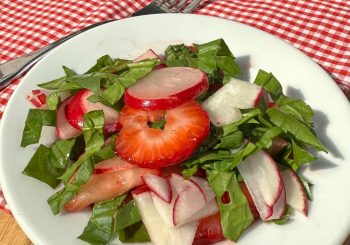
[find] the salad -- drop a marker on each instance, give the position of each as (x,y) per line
(172,150)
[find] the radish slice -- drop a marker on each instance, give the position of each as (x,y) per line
(160,233)
(63,128)
(165,209)
(209,209)
(166,88)
(204,185)
(263,180)
(79,104)
(279,207)
(149,54)
(223,106)
(37,97)
(296,196)
(112,165)
(159,186)
(191,198)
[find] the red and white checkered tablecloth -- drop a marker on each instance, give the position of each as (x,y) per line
(319,28)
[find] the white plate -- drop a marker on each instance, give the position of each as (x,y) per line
(329,218)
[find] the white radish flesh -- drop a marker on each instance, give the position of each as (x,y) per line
(166,88)
(279,207)
(63,128)
(110,115)
(263,180)
(159,232)
(204,185)
(79,104)
(159,186)
(165,209)
(223,106)
(209,209)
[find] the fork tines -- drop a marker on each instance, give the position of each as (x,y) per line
(178,6)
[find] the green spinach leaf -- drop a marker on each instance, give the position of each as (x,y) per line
(235,215)
(36,119)
(99,229)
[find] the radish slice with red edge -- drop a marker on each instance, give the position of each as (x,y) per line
(223,106)
(37,97)
(79,104)
(190,199)
(263,180)
(166,88)
(64,129)
(296,196)
(159,186)
(279,207)
(158,231)
(204,185)
(165,209)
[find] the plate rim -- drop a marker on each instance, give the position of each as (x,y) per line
(5,189)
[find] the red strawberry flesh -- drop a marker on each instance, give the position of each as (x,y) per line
(185,128)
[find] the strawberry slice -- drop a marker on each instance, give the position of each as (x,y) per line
(186,126)
(209,230)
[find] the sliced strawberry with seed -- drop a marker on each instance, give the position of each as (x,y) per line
(186,126)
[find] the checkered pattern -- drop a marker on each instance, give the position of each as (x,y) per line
(320,29)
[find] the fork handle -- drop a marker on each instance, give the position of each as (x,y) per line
(16,67)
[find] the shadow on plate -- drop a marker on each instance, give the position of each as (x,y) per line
(321,123)
(244,64)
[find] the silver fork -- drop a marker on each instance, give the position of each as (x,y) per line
(16,67)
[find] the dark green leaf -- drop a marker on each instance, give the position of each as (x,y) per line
(296,128)
(235,215)
(295,107)
(104,153)
(265,140)
(126,216)
(136,71)
(54,84)
(53,100)
(93,131)
(188,172)
(36,119)
(83,168)
(57,200)
(39,169)
(69,72)
(134,233)
(101,62)
(300,156)
(113,93)
(285,217)
(270,83)
(88,81)
(178,55)
(307,187)
(231,141)
(99,229)
(234,160)
(246,117)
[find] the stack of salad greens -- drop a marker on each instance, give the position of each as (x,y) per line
(108,79)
